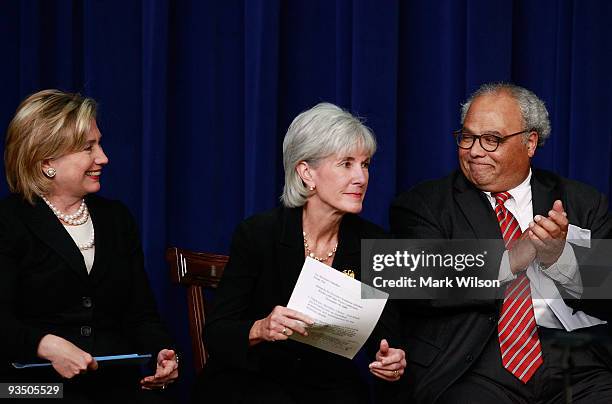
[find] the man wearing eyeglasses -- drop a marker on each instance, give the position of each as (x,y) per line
(512,350)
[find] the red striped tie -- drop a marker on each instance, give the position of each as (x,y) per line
(518,334)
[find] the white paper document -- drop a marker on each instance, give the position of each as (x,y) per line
(343,319)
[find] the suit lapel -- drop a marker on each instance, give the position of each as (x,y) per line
(103,235)
(41,221)
(476,209)
(349,247)
(290,250)
(543,194)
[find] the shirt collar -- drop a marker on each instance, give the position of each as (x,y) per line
(521,193)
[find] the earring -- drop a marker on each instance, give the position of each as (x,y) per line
(312,188)
(50,172)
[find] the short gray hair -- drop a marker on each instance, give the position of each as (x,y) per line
(533,110)
(315,134)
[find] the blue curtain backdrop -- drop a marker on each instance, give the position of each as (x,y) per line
(195,96)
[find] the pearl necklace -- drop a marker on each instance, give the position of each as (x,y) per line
(90,242)
(77,218)
(312,255)
(80,217)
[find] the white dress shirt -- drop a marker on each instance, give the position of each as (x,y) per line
(549,308)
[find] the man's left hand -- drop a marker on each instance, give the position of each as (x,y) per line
(166,372)
(548,234)
(390,362)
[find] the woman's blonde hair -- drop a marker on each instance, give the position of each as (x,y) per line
(47,125)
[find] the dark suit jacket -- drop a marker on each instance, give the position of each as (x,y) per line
(266,257)
(45,288)
(442,342)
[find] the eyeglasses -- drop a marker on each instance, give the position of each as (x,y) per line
(488,141)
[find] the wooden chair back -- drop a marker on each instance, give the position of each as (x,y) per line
(196,271)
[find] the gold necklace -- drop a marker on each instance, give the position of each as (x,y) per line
(312,255)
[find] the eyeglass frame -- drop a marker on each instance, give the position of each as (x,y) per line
(500,139)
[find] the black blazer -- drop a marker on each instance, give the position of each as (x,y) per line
(266,257)
(45,287)
(441,342)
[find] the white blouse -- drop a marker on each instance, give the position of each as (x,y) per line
(81,234)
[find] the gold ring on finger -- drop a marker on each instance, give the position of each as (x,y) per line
(395,373)
(284,332)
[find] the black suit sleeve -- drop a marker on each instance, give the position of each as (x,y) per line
(227,331)
(601,227)
(18,340)
(594,264)
(141,320)
(388,327)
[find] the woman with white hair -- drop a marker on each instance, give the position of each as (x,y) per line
(326,154)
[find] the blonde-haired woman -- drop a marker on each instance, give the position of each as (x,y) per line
(72,282)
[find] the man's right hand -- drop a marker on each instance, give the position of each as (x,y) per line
(522,253)
(66,358)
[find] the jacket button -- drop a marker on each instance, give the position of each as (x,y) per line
(87,302)
(86,331)
(469,358)
(492,319)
